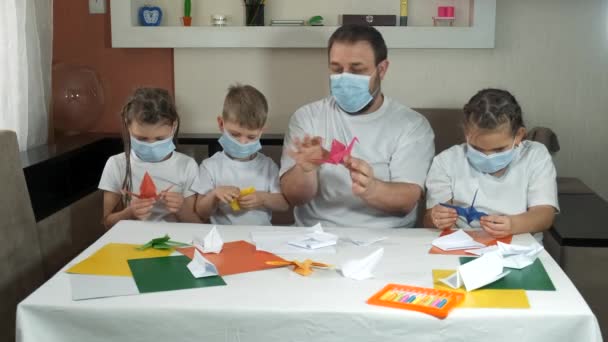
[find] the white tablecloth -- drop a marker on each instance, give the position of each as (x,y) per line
(280,305)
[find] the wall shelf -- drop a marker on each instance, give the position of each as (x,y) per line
(125,34)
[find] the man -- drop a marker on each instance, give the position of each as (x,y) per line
(381,183)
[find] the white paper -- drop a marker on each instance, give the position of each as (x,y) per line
(315,240)
(482,271)
(201,267)
(278,241)
(365,241)
(85,286)
(361,269)
(213,242)
(517,256)
(456,240)
(482,251)
(454,281)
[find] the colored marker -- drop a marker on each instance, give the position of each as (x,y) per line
(436,301)
(386,295)
(420,299)
(401,296)
(442,303)
(405,298)
(411,299)
(392,297)
(429,300)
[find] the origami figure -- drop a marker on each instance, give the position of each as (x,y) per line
(303,268)
(162,243)
(147,189)
(470,214)
(339,151)
(235,202)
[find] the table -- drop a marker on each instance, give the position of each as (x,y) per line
(279,305)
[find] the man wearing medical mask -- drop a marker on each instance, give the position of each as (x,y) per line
(381,182)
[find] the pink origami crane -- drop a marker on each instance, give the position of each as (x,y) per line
(339,151)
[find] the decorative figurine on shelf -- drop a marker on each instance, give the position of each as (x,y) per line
(150,15)
(444,14)
(187,19)
(403,13)
(317,20)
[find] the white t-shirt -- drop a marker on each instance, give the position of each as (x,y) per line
(528,181)
(396,141)
(220,170)
(179,171)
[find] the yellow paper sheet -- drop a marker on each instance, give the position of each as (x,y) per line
(112,258)
(502,299)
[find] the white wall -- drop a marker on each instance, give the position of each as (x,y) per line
(552,54)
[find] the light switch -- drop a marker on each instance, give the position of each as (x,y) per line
(97,6)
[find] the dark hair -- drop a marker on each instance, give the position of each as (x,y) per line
(360,33)
(146,106)
(491,108)
(246,106)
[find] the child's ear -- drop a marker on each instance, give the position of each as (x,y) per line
(520,135)
(220,123)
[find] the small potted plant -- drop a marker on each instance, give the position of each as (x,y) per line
(187,13)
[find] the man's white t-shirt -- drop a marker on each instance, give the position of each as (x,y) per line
(530,180)
(220,170)
(396,141)
(179,171)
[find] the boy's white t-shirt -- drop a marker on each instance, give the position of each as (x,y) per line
(530,180)
(179,171)
(396,141)
(261,172)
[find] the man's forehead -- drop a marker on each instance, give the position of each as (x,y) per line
(351,52)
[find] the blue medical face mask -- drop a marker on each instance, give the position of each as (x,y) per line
(351,91)
(236,149)
(490,163)
(152,152)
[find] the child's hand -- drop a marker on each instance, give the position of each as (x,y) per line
(141,208)
(308,153)
(497,226)
(253,201)
(444,217)
(173,201)
(227,194)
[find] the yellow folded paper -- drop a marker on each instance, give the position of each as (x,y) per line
(303,268)
(111,259)
(244,192)
(502,299)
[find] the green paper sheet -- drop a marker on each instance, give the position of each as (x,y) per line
(167,274)
(533,278)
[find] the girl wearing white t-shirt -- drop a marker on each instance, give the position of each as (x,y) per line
(150,125)
(511,180)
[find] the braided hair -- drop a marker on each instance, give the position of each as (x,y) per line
(491,108)
(146,106)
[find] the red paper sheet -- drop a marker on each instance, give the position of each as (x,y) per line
(237,257)
(478,235)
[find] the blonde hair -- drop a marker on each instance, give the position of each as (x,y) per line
(246,106)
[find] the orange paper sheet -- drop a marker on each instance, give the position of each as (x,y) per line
(478,235)
(237,257)
(501,299)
